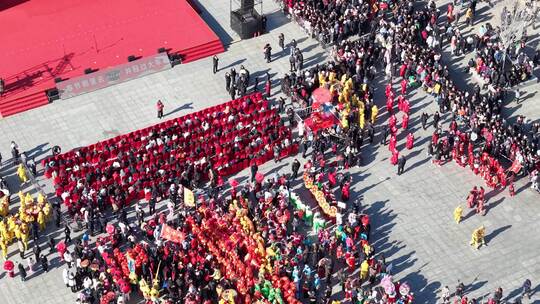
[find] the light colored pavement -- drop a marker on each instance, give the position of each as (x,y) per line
(412,213)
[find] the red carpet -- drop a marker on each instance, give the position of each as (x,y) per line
(46,39)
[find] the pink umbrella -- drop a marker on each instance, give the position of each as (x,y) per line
(61,246)
(110,229)
(320,96)
(8,265)
(234,183)
(259,177)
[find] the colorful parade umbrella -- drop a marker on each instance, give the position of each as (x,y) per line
(259,177)
(320,96)
(110,229)
(8,265)
(234,183)
(61,246)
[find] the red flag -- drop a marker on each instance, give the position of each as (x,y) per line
(173,235)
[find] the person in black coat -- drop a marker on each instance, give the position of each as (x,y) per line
(385,132)
(57,217)
(52,244)
(254,170)
(268,53)
(228,79)
(22,272)
(215,61)
(436,118)
(44,263)
(295,168)
(67,234)
(424,119)
(401,164)
(37,251)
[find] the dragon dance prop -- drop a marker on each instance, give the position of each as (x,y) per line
(328,210)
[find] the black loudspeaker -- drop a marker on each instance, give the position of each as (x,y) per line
(52,94)
(58,79)
(132,58)
(247,5)
(162,50)
(245,23)
(88,71)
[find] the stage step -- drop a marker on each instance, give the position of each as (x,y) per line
(11,107)
(202,51)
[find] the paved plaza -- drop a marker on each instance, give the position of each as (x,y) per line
(411,213)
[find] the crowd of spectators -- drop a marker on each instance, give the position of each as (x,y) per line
(189,150)
(401,44)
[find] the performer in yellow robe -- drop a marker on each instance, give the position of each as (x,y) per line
(22,174)
(364,270)
(4,247)
(477,237)
(41,220)
(458,213)
(374,113)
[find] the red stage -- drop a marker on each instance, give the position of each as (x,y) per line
(46,39)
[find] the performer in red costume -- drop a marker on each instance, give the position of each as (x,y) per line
(410,141)
(393,142)
(395,157)
(392,123)
(405,122)
(404,87)
(389,104)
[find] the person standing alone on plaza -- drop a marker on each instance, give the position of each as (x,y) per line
(15,152)
(215,61)
(22,272)
(526,289)
(281,42)
(424,119)
(228,81)
(268,86)
(299,57)
(268,53)
(401,165)
(159,107)
(295,168)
